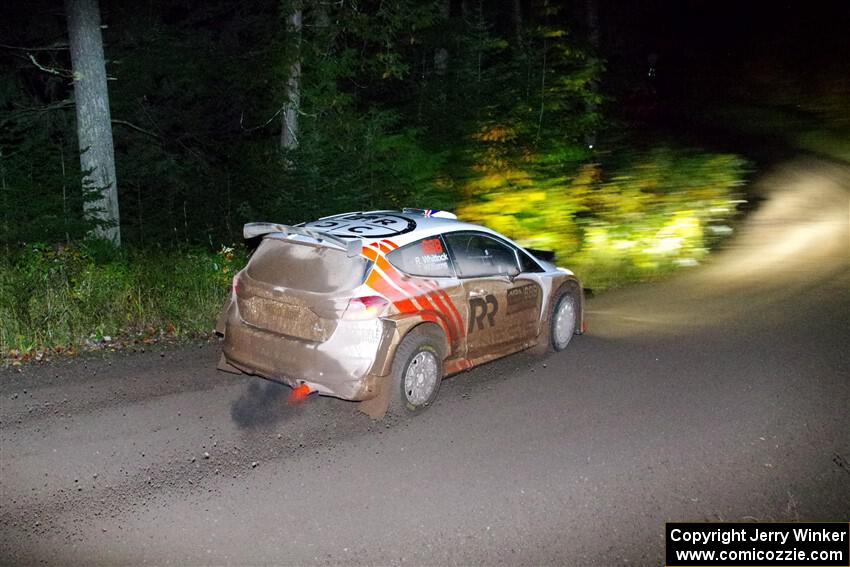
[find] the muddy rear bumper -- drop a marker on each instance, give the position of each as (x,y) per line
(340,367)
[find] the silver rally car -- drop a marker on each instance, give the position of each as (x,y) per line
(381,306)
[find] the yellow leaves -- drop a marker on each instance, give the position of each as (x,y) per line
(588,174)
(494,179)
(511,202)
(444,182)
(639,221)
(491,182)
(682,232)
(496,133)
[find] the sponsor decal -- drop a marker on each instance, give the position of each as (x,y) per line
(376,225)
(523,297)
(411,295)
(433,259)
(425,259)
(481,309)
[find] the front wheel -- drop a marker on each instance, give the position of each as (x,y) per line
(564,320)
(417,372)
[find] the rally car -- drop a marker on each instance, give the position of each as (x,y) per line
(380,306)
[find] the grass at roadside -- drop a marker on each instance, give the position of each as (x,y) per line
(57,299)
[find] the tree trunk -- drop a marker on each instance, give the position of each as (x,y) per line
(592,15)
(94,127)
(518,22)
(441,54)
(289,126)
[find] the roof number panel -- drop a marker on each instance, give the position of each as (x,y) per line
(375,225)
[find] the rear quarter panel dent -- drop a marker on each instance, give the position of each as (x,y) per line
(395,330)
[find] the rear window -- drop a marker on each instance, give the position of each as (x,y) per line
(426,257)
(306,267)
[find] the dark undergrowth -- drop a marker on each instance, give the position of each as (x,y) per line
(62,299)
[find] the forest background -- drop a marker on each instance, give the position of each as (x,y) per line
(523,115)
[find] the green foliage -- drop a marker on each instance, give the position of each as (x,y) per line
(377,163)
(526,148)
(39,173)
(632,218)
(402,104)
(66,296)
(198,89)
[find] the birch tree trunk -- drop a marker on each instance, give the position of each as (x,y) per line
(94,126)
(289,126)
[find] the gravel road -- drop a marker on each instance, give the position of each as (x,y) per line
(721,394)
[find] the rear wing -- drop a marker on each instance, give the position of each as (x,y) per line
(545,255)
(254,229)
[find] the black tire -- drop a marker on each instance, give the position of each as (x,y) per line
(563,320)
(417,371)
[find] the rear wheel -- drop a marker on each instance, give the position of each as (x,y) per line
(417,372)
(563,321)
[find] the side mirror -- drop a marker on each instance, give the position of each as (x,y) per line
(512,274)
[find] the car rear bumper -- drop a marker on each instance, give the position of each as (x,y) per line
(337,367)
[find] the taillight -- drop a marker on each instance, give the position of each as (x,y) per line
(234,286)
(368,307)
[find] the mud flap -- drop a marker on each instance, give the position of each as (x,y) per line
(225,366)
(541,347)
(377,407)
(221,320)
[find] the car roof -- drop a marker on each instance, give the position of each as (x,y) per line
(401,227)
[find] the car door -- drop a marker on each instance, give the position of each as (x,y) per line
(502,306)
(432,288)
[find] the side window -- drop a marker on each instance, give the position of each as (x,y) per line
(478,255)
(527,265)
(424,257)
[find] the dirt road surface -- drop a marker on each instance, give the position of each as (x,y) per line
(721,394)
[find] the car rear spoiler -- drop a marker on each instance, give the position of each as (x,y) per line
(545,255)
(351,247)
